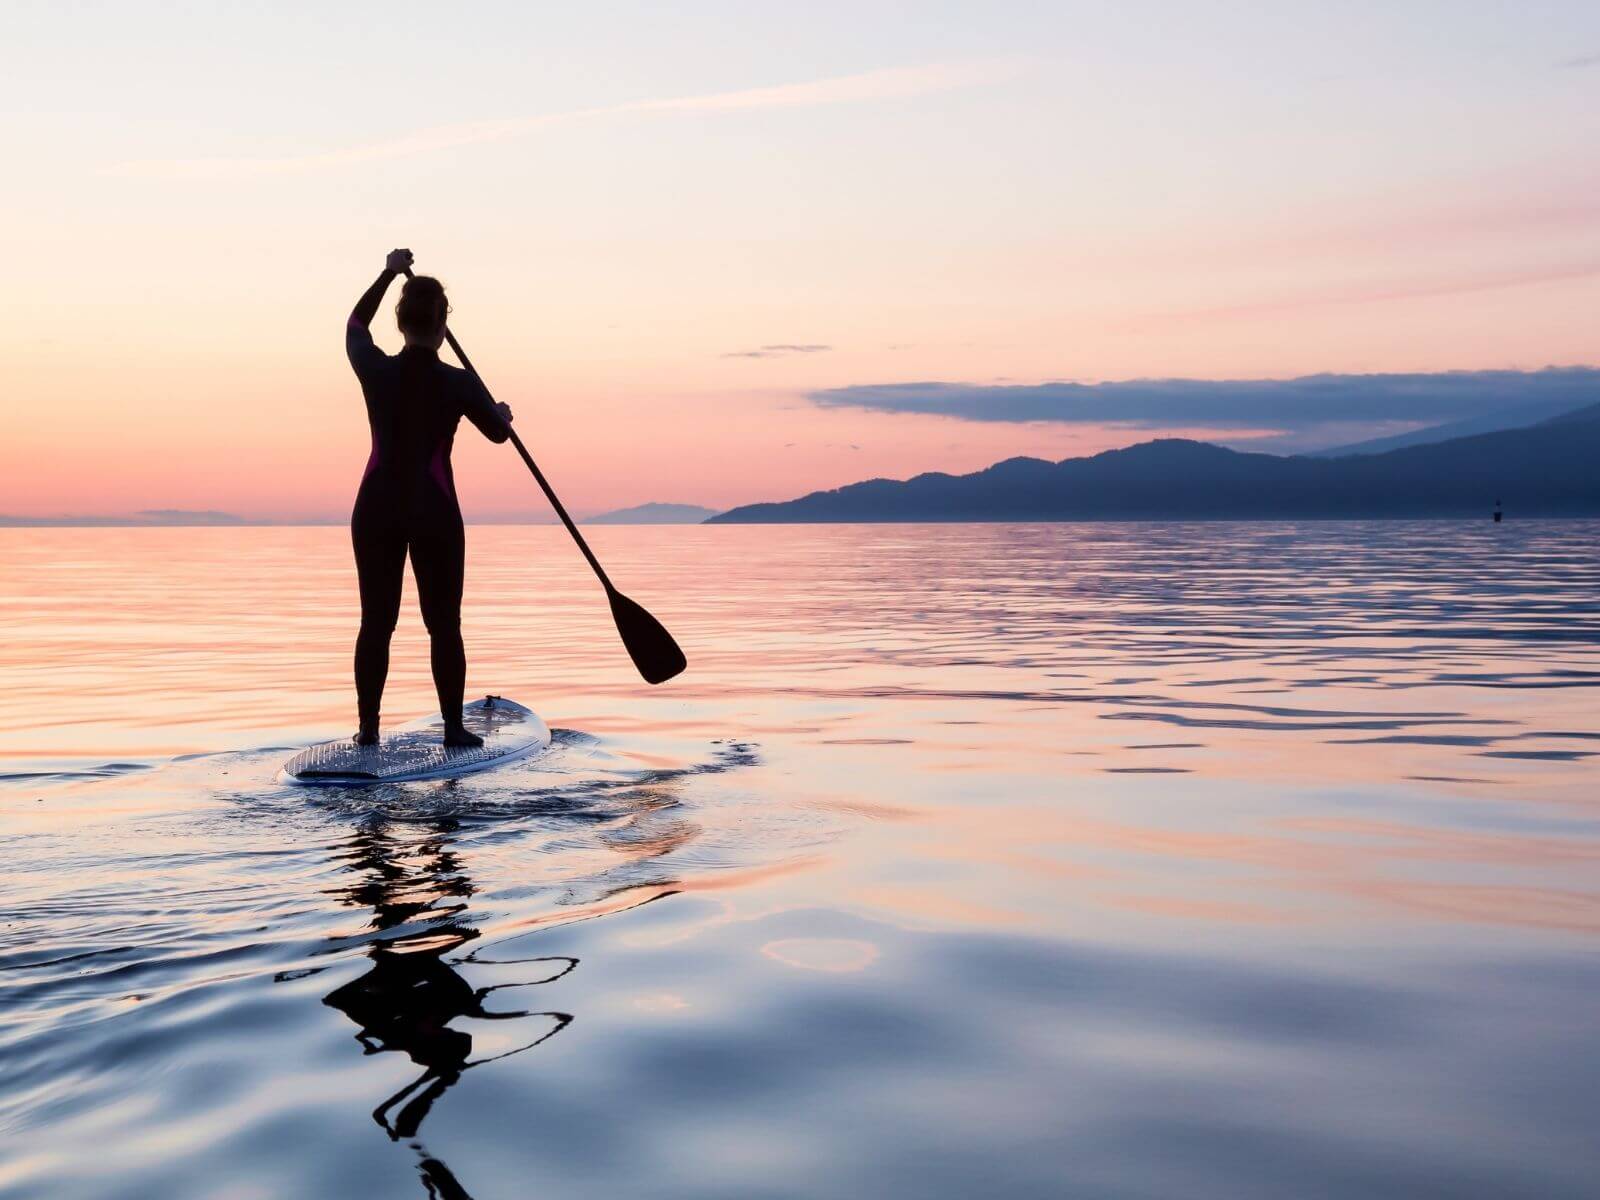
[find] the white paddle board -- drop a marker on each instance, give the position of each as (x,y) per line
(509,732)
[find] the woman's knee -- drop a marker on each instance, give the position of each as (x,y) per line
(378,623)
(445,624)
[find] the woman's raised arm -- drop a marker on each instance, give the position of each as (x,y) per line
(358,329)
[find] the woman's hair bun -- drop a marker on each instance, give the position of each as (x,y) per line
(423,307)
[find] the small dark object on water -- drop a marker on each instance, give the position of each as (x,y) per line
(1498,512)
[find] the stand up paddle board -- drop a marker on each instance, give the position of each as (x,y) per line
(509,731)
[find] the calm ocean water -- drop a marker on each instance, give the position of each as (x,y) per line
(1097,861)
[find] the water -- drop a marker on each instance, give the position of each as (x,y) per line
(1104,861)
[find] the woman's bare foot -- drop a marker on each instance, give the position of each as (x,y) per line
(460,735)
(367,735)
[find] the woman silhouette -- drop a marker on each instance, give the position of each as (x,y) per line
(407,500)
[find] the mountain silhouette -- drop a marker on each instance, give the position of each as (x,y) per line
(1517,417)
(1548,469)
(654,513)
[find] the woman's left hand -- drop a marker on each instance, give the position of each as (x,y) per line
(399,261)
(504,410)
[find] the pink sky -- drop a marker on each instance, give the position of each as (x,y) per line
(1057,203)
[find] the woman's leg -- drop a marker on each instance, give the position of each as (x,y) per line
(380,568)
(438,560)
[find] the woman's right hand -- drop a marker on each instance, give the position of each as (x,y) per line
(399,262)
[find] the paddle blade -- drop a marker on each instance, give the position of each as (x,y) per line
(649,644)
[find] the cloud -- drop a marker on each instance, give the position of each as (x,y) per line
(886,84)
(1280,405)
(1583,60)
(777,349)
(1382,293)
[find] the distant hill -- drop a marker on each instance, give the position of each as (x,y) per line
(1549,469)
(149,516)
(1512,418)
(655,514)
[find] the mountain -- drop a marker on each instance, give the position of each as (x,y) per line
(1512,418)
(149,516)
(187,516)
(655,514)
(1549,469)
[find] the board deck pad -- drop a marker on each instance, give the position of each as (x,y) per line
(508,729)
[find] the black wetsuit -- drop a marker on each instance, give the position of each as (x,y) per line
(407,501)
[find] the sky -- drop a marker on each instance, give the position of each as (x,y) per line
(721,253)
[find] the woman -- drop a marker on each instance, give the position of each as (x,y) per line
(407,499)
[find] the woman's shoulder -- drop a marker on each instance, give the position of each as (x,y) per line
(460,381)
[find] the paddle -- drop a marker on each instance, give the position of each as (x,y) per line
(648,643)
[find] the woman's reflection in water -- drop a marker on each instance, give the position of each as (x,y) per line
(405,1002)
(413,881)
(410,995)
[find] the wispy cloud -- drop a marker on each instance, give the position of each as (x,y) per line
(778,349)
(887,84)
(1379,293)
(1583,60)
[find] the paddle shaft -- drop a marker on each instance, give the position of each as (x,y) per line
(538,475)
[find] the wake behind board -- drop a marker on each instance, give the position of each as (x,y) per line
(509,731)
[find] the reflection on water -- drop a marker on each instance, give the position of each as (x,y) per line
(1122,861)
(406,1002)
(416,999)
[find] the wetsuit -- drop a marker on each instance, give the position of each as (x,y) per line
(407,501)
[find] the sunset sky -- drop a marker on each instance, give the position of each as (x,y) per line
(694,244)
